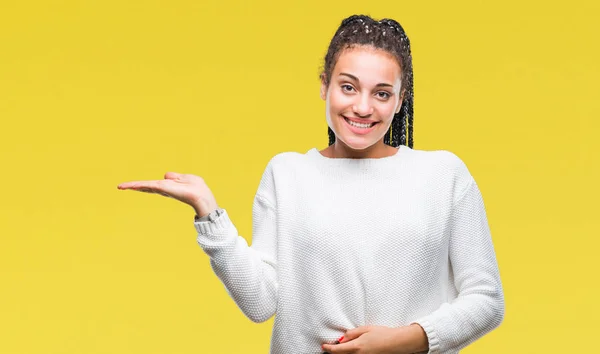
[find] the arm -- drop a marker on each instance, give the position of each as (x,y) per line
(479,306)
(249,273)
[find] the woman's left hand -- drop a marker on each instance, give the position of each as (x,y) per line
(370,340)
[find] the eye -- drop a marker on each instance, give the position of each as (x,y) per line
(347,88)
(386,95)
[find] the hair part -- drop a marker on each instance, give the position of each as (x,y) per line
(387,35)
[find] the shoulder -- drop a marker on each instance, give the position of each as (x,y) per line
(284,164)
(445,167)
(286,158)
(443,160)
(280,171)
(285,161)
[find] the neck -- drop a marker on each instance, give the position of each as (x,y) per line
(341,150)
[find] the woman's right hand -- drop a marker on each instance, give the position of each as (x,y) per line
(186,188)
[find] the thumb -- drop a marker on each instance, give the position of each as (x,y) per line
(355,333)
(172,175)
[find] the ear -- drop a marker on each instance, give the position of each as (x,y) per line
(323,87)
(400,101)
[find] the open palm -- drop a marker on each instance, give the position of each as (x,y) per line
(187,188)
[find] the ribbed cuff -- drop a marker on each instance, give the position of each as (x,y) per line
(432,337)
(214,230)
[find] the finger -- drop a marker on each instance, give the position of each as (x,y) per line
(133,184)
(145,186)
(125,185)
(152,187)
(344,348)
(156,187)
(172,175)
(355,333)
(153,191)
(147,190)
(143,189)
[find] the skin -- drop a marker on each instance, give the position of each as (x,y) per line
(361,97)
(380,340)
(186,188)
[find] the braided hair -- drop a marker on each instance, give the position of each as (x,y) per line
(388,35)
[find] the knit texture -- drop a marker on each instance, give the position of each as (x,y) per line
(339,243)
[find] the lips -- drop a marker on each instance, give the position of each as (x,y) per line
(359,120)
(357,130)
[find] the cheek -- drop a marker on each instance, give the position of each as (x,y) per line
(338,101)
(387,110)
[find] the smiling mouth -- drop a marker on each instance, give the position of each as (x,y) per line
(359,125)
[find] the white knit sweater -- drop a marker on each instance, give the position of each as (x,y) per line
(338,243)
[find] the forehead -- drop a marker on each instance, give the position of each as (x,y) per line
(368,63)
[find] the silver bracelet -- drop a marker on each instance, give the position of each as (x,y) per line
(210,217)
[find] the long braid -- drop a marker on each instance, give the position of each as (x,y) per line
(388,35)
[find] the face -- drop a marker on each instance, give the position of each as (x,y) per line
(362,97)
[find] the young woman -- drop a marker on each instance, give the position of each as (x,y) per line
(368,246)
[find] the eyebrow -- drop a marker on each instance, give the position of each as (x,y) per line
(356,79)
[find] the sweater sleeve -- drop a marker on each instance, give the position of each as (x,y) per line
(479,306)
(249,273)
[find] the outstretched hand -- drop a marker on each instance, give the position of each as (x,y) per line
(187,188)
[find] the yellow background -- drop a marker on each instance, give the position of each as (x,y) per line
(95,93)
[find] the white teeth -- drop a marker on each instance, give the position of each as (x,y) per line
(359,125)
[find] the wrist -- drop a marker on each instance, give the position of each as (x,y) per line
(203,210)
(211,217)
(418,338)
(412,339)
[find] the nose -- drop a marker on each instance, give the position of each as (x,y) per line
(363,107)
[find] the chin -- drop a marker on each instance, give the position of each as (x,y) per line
(357,143)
